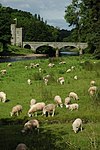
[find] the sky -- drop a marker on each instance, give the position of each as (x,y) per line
(52,11)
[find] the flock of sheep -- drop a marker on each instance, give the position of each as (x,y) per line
(47,109)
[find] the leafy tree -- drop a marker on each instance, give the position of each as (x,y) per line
(84,15)
(5,33)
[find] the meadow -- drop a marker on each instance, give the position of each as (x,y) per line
(55,132)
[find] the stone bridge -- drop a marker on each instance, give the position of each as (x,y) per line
(57,45)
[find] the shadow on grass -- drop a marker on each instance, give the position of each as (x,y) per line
(11,136)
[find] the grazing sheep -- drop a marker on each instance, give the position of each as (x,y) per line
(73,95)
(3,97)
(46,81)
(62,62)
(67,101)
(21,146)
(72,106)
(61,80)
(3,72)
(29,81)
(75,77)
(92,90)
(32,102)
(9,64)
(16,110)
(72,67)
(77,124)
(58,101)
(36,107)
(92,83)
(30,126)
(48,109)
(69,70)
(51,65)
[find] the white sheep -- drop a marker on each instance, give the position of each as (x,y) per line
(62,62)
(51,65)
(72,106)
(77,124)
(75,77)
(50,108)
(3,97)
(21,146)
(31,125)
(29,81)
(68,70)
(32,102)
(67,101)
(3,72)
(92,83)
(73,95)
(9,64)
(61,80)
(16,110)
(46,81)
(92,90)
(58,101)
(36,107)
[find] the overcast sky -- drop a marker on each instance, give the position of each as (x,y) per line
(52,11)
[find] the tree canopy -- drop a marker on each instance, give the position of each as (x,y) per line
(84,16)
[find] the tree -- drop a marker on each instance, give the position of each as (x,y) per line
(84,15)
(5,32)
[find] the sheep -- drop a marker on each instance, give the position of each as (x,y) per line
(51,65)
(3,72)
(75,77)
(48,109)
(68,70)
(58,101)
(46,81)
(3,97)
(29,81)
(36,107)
(92,90)
(16,110)
(61,80)
(62,62)
(30,126)
(32,102)
(72,106)
(92,83)
(77,124)
(73,95)
(67,101)
(9,64)
(21,146)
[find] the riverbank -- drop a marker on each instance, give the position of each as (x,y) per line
(21,57)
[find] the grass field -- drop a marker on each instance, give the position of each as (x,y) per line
(55,132)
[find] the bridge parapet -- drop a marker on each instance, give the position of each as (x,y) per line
(58,45)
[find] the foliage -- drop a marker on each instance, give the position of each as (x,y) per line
(85,17)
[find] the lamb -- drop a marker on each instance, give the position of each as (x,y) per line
(58,101)
(73,95)
(67,101)
(92,83)
(72,106)
(92,90)
(9,64)
(32,102)
(36,107)
(48,109)
(21,146)
(77,124)
(75,77)
(46,81)
(51,65)
(30,126)
(3,97)
(68,70)
(16,110)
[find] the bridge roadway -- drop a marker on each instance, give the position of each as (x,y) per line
(57,45)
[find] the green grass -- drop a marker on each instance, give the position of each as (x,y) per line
(55,132)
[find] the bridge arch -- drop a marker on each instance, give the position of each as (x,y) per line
(46,49)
